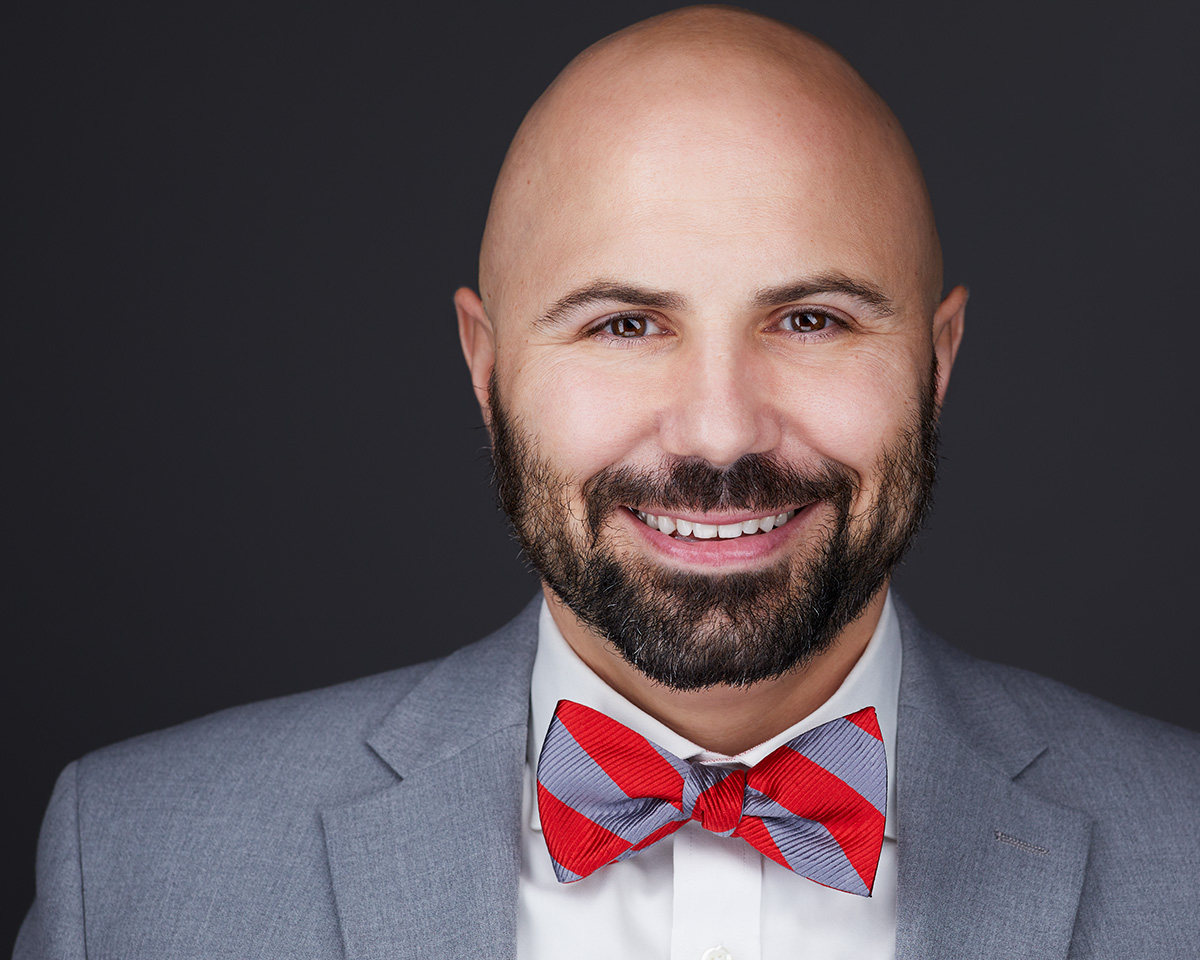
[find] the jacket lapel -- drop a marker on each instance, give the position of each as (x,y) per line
(428,867)
(987,868)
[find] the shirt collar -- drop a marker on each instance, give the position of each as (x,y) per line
(874,681)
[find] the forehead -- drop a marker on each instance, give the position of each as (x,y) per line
(687,192)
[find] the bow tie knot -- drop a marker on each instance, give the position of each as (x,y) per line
(714,797)
(815,805)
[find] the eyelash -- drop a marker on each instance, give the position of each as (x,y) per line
(834,324)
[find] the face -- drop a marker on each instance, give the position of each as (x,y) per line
(713,383)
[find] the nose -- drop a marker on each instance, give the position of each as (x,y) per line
(721,406)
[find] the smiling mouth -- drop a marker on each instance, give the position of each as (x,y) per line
(690,530)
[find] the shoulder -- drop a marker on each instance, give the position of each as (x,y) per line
(310,746)
(318,734)
(1103,802)
(1111,762)
(1068,745)
(223,816)
(210,814)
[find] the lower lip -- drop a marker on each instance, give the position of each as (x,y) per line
(748,550)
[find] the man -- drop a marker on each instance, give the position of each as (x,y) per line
(710,344)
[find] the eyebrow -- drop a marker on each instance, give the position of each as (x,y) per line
(608,291)
(861,290)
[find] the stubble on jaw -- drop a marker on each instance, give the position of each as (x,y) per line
(689,631)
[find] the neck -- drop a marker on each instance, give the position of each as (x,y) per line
(724,719)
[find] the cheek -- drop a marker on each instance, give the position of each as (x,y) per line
(585,416)
(849,411)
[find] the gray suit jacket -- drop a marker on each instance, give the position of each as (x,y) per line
(380,819)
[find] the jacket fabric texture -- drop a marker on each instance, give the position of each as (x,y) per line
(381,819)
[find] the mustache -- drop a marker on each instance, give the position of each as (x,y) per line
(754,482)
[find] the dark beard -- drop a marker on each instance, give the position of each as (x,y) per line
(688,631)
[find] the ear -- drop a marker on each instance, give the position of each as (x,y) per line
(948,322)
(478,341)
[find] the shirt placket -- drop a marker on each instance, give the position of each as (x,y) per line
(717,902)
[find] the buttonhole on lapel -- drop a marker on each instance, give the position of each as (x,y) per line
(1020,844)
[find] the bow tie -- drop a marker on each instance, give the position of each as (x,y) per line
(815,805)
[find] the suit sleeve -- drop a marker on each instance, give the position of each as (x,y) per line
(53,928)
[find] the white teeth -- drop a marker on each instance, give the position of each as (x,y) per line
(712,531)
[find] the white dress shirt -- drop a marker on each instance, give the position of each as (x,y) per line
(695,895)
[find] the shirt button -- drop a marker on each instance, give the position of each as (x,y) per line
(716,953)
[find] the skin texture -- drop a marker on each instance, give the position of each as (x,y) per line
(708,155)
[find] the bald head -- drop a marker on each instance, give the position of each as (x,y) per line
(702,118)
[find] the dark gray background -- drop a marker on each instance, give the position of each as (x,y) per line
(245,459)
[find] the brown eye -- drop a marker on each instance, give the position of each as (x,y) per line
(806,321)
(628,326)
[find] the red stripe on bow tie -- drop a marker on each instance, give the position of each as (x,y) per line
(629,758)
(812,792)
(573,840)
(866,719)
